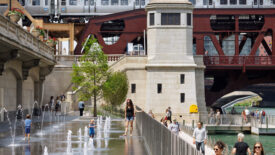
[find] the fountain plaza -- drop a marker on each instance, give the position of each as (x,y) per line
(68,135)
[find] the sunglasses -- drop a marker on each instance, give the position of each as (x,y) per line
(258,147)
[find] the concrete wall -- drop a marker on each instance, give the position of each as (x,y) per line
(57,83)
(134,66)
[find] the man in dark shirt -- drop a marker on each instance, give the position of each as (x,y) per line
(241,148)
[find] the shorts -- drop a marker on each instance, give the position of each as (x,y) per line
(27,129)
(129,118)
(91,132)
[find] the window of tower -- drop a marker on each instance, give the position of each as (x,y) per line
(170,18)
(152,19)
(189,19)
(223,2)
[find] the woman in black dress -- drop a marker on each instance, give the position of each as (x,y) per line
(129,116)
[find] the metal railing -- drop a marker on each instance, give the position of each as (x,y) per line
(239,60)
(75,58)
(160,140)
(23,38)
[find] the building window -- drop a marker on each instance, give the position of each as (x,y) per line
(114,2)
(140,2)
(104,2)
(189,19)
(133,88)
(159,88)
(36,2)
(124,2)
(63,2)
(91,2)
(46,2)
(170,19)
(73,2)
(223,2)
(233,2)
(242,2)
(182,77)
(273,1)
(182,97)
(261,2)
(193,1)
(210,2)
(152,19)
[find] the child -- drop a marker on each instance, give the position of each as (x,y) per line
(28,123)
(92,128)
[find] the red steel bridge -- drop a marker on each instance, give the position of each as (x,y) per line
(248,59)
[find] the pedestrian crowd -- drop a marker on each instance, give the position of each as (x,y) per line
(55,104)
(246,115)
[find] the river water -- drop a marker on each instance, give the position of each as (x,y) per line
(54,137)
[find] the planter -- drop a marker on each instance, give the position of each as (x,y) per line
(14,18)
(41,37)
(51,44)
(35,33)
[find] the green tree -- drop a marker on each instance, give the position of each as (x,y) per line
(91,72)
(115,88)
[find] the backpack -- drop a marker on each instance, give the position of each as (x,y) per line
(263,113)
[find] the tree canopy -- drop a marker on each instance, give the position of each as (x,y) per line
(115,88)
(90,72)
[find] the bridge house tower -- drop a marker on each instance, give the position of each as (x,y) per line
(175,77)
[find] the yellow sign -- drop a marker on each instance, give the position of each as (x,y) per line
(193,108)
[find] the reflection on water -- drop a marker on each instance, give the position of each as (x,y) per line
(108,140)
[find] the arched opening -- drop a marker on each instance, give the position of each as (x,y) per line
(9,82)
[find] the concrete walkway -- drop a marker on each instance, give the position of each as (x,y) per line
(189,139)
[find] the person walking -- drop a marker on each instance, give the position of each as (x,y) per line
(219,147)
(51,103)
(28,123)
(174,127)
(200,137)
(262,116)
(241,148)
(129,116)
(81,107)
(211,116)
(247,113)
(169,116)
(57,105)
(163,121)
(258,149)
(244,116)
(218,117)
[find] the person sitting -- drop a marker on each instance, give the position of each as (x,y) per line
(150,113)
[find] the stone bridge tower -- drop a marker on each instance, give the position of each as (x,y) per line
(175,77)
